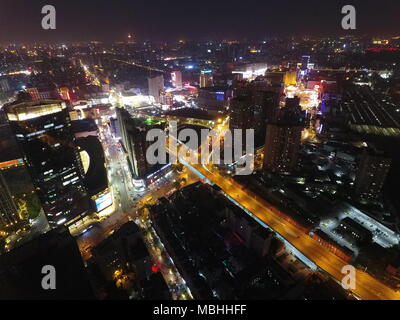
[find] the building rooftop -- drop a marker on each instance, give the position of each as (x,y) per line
(20,111)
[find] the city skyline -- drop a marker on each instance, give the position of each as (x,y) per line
(206,151)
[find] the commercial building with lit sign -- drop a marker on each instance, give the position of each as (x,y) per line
(43,131)
(104,201)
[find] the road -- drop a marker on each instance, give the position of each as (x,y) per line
(367,287)
(161,258)
(128,209)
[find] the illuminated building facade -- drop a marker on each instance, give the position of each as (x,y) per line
(241,113)
(133,134)
(42,129)
(251,71)
(305,61)
(283,138)
(206,79)
(290,78)
(8,208)
(156,86)
(176,77)
(12,190)
(214,99)
(64,92)
(44,91)
(251,109)
(96,179)
(166,98)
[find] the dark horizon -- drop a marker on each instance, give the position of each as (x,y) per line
(80,21)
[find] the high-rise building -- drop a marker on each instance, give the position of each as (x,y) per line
(283,138)
(305,61)
(133,134)
(176,77)
(372,171)
(42,129)
(241,113)
(156,86)
(206,79)
(18,202)
(8,208)
(251,109)
(266,106)
(214,99)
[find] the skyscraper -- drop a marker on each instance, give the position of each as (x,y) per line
(283,138)
(266,104)
(133,133)
(372,171)
(8,208)
(156,86)
(176,77)
(305,61)
(206,79)
(18,202)
(251,109)
(241,112)
(42,129)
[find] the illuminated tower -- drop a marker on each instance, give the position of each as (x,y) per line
(42,129)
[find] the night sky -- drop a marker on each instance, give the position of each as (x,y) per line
(112,20)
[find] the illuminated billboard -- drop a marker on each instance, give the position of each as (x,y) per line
(104,202)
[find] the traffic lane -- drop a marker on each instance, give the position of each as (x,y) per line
(324,259)
(367,286)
